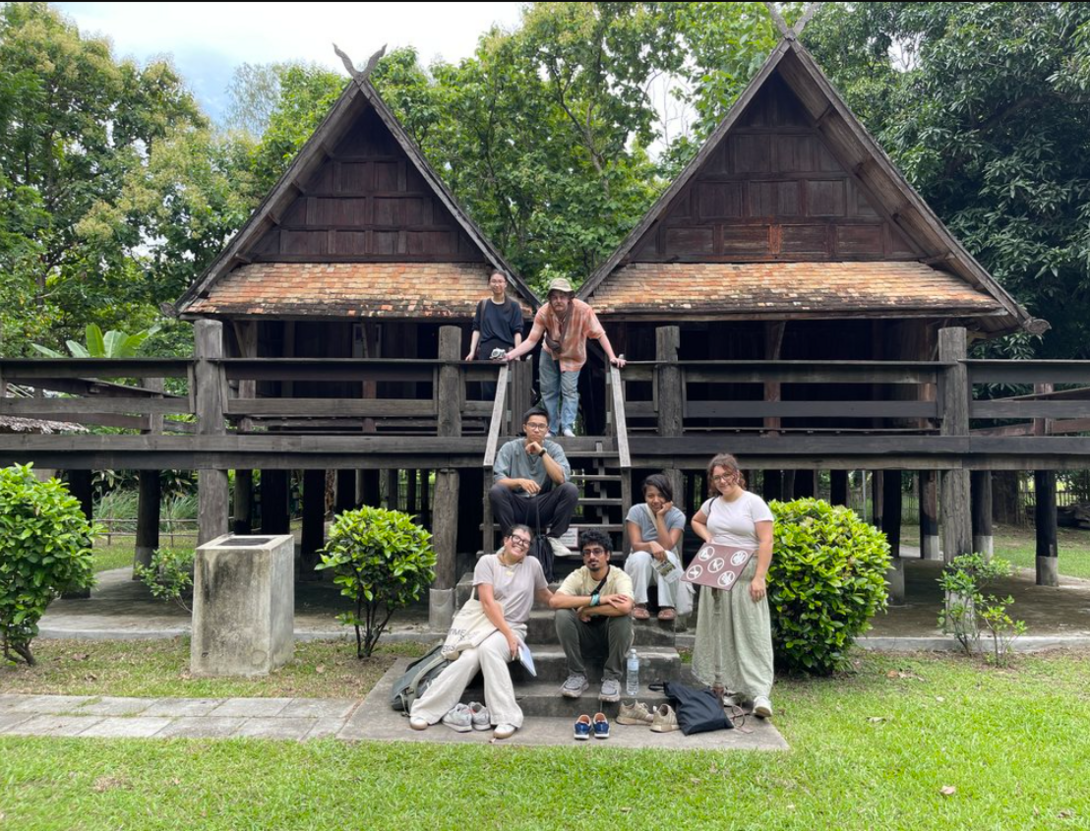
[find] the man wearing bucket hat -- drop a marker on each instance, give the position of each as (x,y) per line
(565,323)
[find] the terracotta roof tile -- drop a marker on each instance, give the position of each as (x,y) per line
(395,290)
(819,288)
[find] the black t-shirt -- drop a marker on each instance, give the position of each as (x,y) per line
(498,325)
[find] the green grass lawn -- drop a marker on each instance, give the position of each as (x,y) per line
(119,553)
(916,742)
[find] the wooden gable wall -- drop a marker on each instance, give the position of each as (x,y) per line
(773,190)
(367,203)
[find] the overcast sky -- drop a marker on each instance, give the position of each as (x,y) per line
(208,40)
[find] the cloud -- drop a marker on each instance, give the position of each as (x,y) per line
(208,40)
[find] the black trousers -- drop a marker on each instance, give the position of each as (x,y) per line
(553,509)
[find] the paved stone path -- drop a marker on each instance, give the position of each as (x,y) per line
(302,719)
(110,717)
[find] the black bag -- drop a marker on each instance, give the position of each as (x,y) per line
(698,711)
(542,551)
(416,679)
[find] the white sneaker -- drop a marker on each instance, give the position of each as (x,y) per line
(559,549)
(459,719)
(482,720)
(504,731)
(762,707)
(568,433)
(418,723)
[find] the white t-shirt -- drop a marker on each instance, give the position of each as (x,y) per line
(514,587)
(732,523)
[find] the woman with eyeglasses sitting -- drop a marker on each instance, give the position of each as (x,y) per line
(733,649)
(507,584)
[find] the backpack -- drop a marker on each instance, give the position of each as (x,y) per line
(416,679)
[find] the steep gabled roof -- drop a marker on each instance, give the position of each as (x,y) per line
(357,100)
(869,171)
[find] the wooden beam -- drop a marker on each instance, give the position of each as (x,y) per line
(149,496)
(957,532)
(669,394)
(929,515)
(981,486)
(210,384)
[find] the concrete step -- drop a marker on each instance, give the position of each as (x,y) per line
(656,663)
(544,699)
(542,630)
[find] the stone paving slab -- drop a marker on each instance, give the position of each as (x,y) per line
(50,725)
(376,721)
(250,707)
(113,706)
(183,707)
(50,704)
(320,708)
(8,720)
(275,728)
(119,727)
(204,727)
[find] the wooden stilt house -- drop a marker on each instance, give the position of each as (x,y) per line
(359,251)
(791,237)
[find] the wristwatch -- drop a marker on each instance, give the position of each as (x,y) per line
(542,453)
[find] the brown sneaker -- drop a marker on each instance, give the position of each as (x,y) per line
(635,713)
(664,720)
(667,613)
(641,613)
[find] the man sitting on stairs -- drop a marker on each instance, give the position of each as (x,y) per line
(594,606)
(532,484)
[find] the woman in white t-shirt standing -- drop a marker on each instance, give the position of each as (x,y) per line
(733,650)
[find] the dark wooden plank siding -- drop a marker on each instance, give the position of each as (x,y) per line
(366,203)
(773,190)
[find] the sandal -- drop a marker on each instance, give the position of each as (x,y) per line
(667,613)
(641,613)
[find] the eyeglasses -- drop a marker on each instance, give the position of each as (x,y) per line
(538,427)
(724,477)
(594,552)
(519,542)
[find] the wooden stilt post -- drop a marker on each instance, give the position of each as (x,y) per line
(838,487)
(243,522)
(313,523)
(212,496)
(445,506)
(275,506)
(805,484)
(367,487)
(81,486)
(150,495)
(929,515)
(891,510)
(669,394)
(877,490)
(1044,485)
(346,491)
(410,492)
(1045,520)
(393,496)
(773,485)
(957,531)
(980,482)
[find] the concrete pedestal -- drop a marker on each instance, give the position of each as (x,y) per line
(895,582)
(243,605)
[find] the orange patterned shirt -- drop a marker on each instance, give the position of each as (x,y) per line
(583,324)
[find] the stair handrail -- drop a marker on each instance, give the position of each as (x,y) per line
(620,424)
(499,407)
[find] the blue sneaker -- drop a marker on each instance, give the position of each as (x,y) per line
(583,727)
(601,726)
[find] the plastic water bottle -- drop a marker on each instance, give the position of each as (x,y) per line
(632,682)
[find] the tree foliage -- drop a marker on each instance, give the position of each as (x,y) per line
(986,108)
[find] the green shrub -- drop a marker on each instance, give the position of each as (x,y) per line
(45,549)
(968,610)
(381,560)
(169,575)
(827,580)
